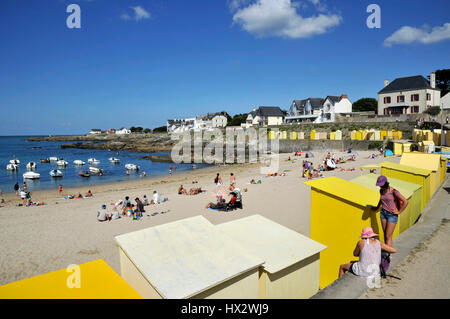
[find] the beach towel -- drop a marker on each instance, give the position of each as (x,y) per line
(388,153)
(309,154)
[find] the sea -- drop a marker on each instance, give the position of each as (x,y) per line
(17,147)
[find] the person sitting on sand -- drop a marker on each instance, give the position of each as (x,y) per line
(89,193)
(102,214)
(139,207)
(115,215)
(182,190)
(195,190)
(221,204)
(79,196)
(145,201)
(127,210)
(368,249)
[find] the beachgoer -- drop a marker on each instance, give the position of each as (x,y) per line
(24,186)
(23,196)
(368,249)
(79,196)
(182,190)
(127,172)
(218,180)
(390,209)
(145,200)
(170,170)
(126,201)
(16,188)
(102,214)
(155,199)
(115,214)
(60,190)
(174,168)
(232,179)
(89,193)
(139,207)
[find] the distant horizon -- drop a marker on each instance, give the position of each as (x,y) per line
(142,65)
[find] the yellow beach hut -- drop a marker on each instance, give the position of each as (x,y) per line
(291,266)
(332,136)
(312,134)
(91,280)
(188,258)
(410,174)
(383,134)
(339,211)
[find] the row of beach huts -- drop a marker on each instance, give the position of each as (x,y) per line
(358,135)
(251,257)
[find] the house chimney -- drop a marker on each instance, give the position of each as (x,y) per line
(344,96)
(433,80)
(386,83)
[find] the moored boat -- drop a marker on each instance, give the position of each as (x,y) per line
(56,173)
(31,175)
(132,167)
(31,166)
(12,167)
(14,161)
(114,160)
(95,170)
(54,159)
(62,163)
(84,174)
(45,160)
(93,161)
(79,162)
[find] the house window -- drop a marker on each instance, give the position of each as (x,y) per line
(414,109)
(385,111)
(400,98)
(428,97)
(414,97)
(387,100)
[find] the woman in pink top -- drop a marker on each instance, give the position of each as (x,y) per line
(390,208)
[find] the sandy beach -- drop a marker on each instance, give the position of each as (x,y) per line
(37,240)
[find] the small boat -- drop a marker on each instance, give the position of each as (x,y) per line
(62,163)
(31,166)
(54,159)
(31,175)
(79,162)
(132,167)
(56,173)
(84,174)
(12,167)
(93,161)
(45,160)
(14,161)
(95,170)
(114,160)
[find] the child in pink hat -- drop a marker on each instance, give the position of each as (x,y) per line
(368,249)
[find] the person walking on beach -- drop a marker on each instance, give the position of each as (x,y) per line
(24,186)
(368,249)
(392,204)
(170,170)
(218,180)
(16,188)
(60,190)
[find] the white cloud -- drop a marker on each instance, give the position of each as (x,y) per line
(265,18)
(139,14)
(424,35)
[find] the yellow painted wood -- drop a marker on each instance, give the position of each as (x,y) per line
(313,134)
(443,168)
(339,212)
(377,135)
(437,137)
(409,174)
(371,135)
(398,149)
(390,134)
(427,135)
(283,135)
(427,161)
(406,147)
(447,139)
(97,281)
(359,135)
(293,135)
(364,135)
(332,136)
(353,135)
(271,135)
(383,134)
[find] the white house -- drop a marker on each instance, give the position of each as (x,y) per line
(408,95)
(318,110)
(210,121)
(445,101)
(264,116)
(95,131)
(123,131)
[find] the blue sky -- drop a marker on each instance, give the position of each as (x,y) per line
(138,62)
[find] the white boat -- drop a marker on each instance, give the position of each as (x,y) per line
(93,161)
(14,161)
(31,166)
(62,163)
(31,175)
(54,159)
(56,173)
(132,167)
(12,167)
(95,170)
(78,162)
(114,160)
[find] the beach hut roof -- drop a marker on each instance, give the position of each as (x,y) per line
(406,168)
(279,246)
(405,188)
(422,160)
(349,191)
(186,257)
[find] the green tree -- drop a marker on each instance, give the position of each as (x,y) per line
(139,129)
(365,104)
(160,129)
(132,129)
(442,80)
(147,130)
(237,119)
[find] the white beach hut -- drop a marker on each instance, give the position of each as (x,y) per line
(291,261)
(188,258)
